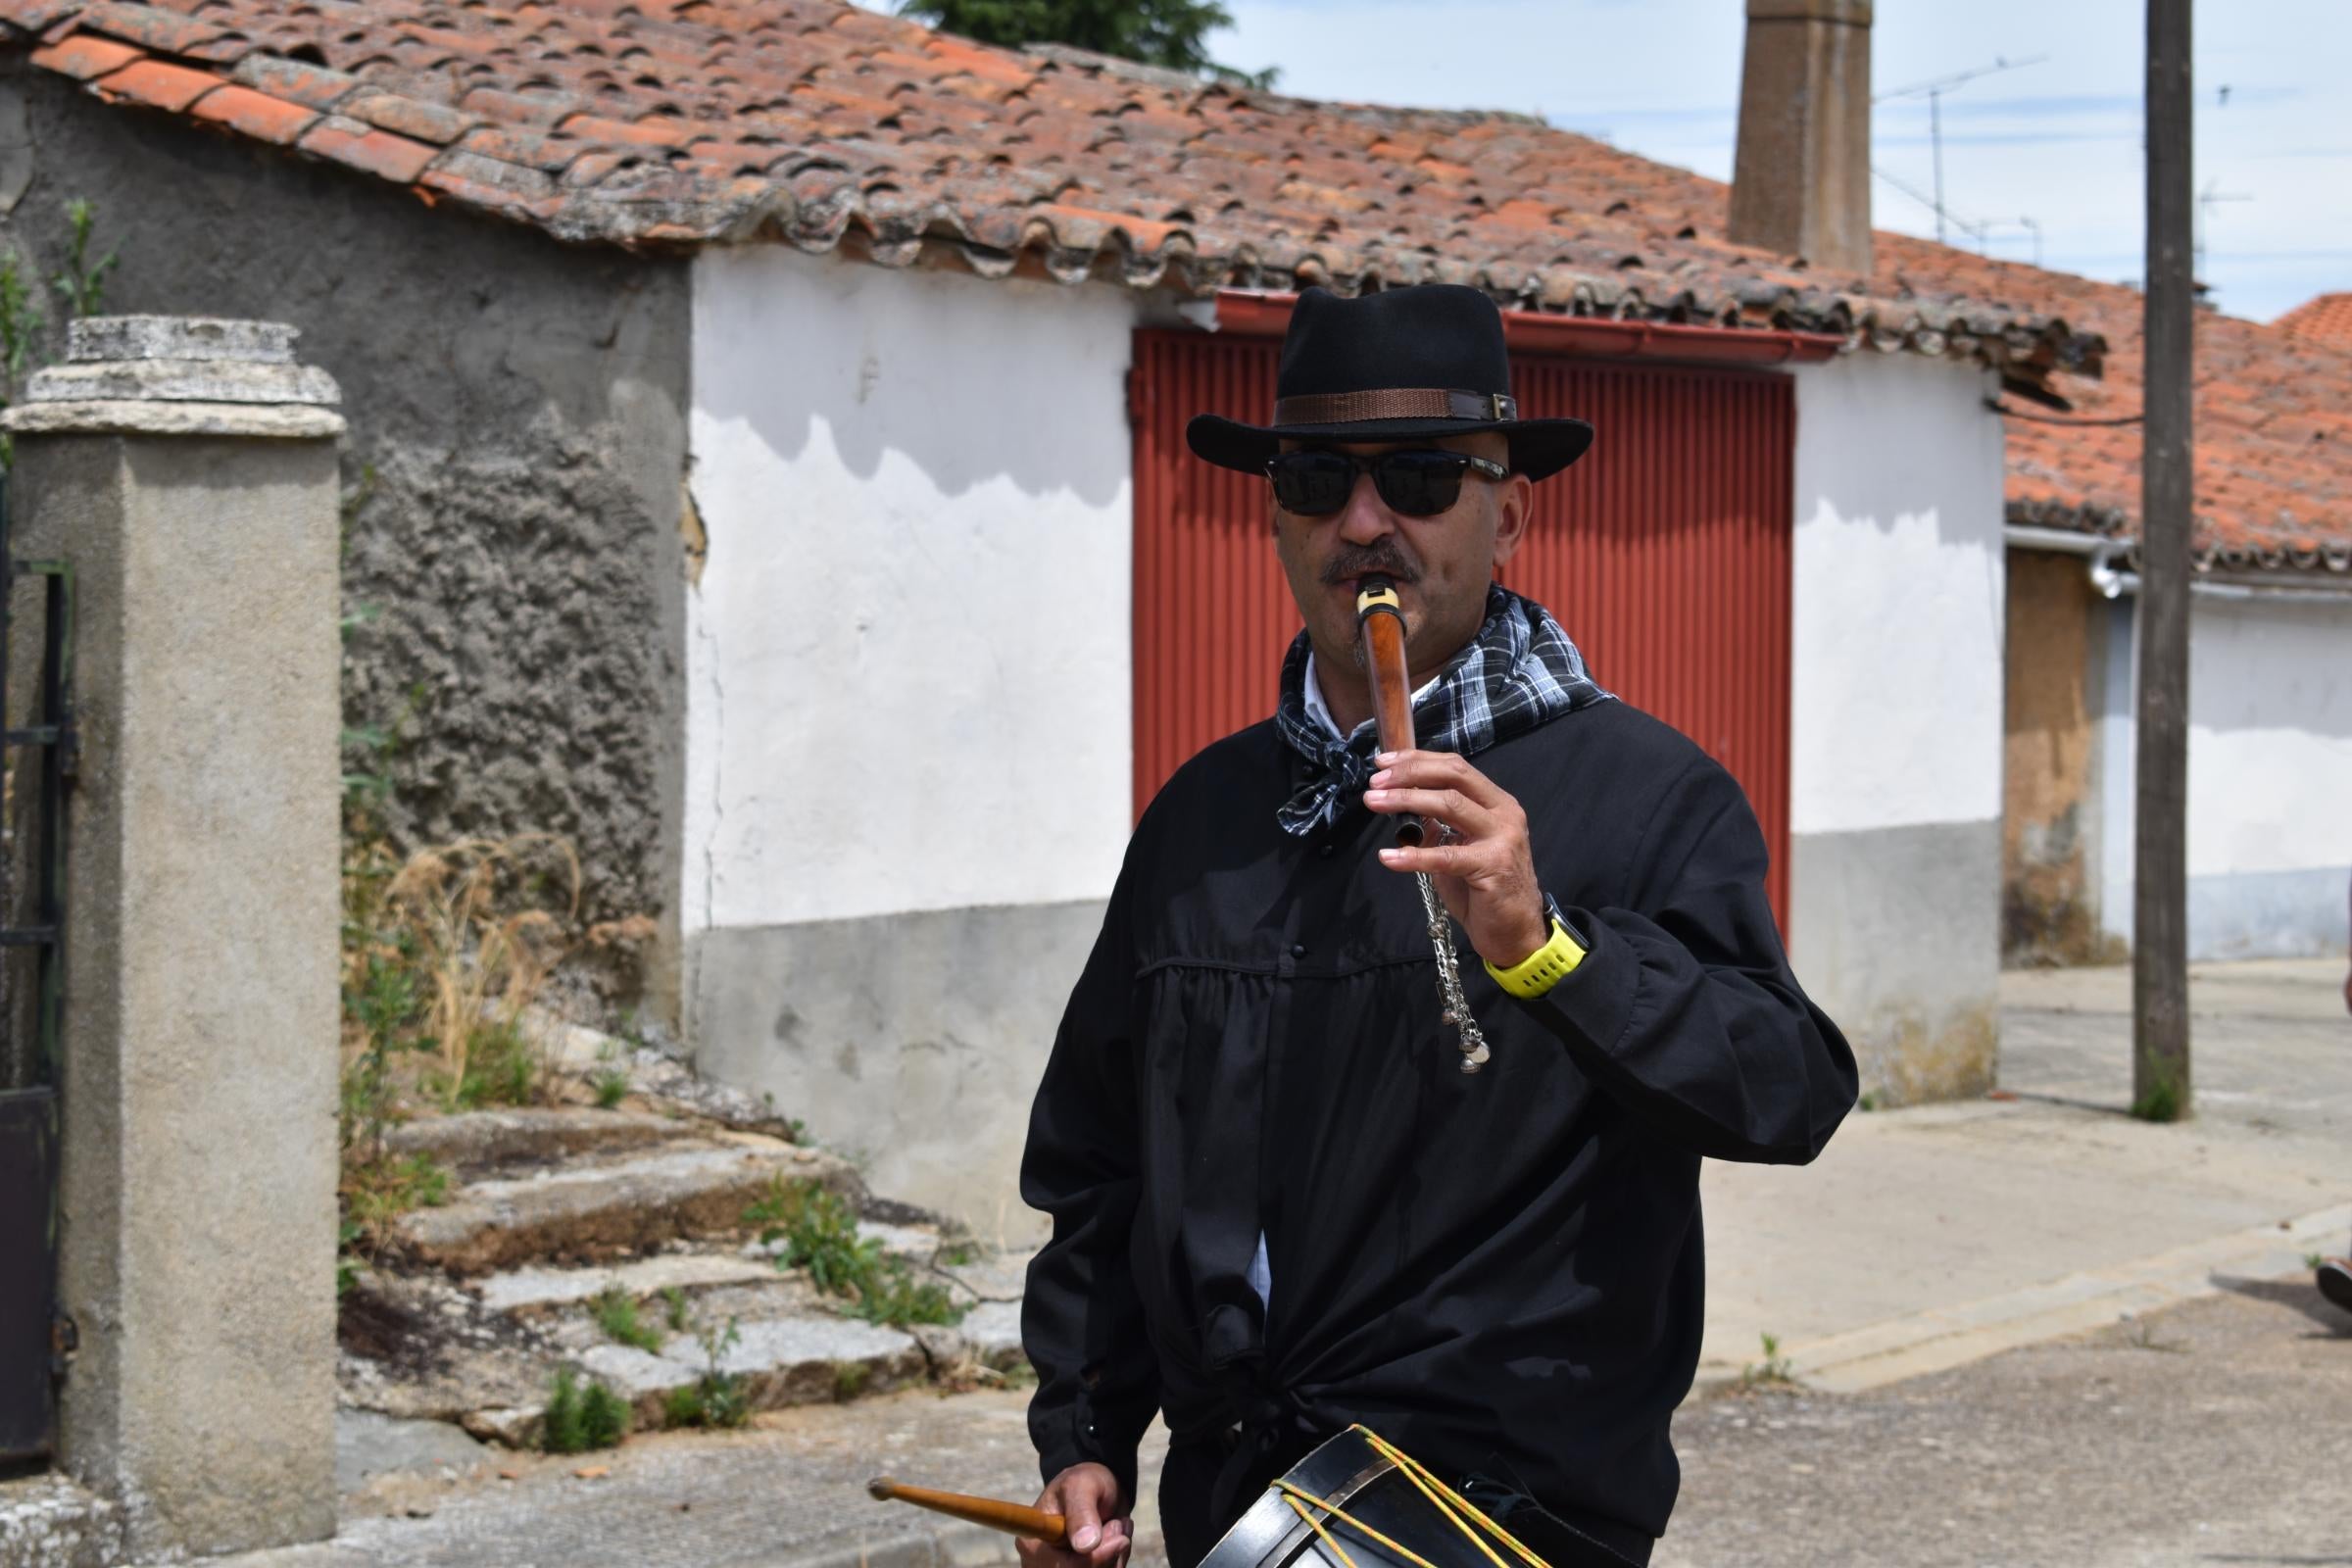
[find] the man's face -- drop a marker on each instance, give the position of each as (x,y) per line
(1440,564)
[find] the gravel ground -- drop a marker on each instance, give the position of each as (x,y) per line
(2217,1432)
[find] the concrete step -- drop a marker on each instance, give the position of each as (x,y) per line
(597,1210)
(472,1142)
(811,1357)
(48,1521)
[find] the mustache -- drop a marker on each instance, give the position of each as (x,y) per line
(1384,559)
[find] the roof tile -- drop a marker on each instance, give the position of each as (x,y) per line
(410,117)
(82,56)
(364,147)
(256,114)
(34,15)
(295,80)
(153,82)
(149,26)
(2322,319)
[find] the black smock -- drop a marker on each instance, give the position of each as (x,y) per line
(1500,1272)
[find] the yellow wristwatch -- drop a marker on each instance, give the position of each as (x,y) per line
(1548,965)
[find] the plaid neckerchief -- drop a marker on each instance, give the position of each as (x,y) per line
(1519,671)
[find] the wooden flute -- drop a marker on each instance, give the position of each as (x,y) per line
(1380,622)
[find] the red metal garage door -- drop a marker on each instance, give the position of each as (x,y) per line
(1665,552)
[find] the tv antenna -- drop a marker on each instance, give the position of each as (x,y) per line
(2210,196)
(1934,92)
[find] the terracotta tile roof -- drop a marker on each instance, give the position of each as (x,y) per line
(810,122)
(2324,319)
(687,122)
(2273,422)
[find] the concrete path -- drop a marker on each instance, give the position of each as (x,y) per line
(1924,1238)
(1924,1241)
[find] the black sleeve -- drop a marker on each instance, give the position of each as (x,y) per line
(1685,1009)
(1082,1325)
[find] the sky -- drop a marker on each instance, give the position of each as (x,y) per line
(2045,153)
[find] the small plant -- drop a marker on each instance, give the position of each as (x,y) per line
(347,1263)
(2315,1262)
(1867,1102)
(616,1314)
(377,1191)
(892,1294)
(2162,1102)
(959,1252)
(82,282)
(611,1089)
(717,1398)
(819,1233)
(850,1379)
(1774,1371)
(580,1418)
(674,1308)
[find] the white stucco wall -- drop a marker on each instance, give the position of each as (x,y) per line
(2270,776)
(1895,716)
(2269,742)
(908,653)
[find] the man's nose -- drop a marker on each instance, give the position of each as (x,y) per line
(1367,517)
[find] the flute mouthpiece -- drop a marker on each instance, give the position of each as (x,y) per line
(1375,593)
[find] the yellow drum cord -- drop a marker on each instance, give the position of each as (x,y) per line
(1469,1520)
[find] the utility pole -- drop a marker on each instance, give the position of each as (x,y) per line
(2160,1078)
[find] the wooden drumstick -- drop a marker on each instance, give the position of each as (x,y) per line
(1033,1524)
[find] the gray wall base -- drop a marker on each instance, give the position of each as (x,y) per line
(1894,932)
(912,1042)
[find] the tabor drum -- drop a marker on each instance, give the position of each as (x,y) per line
(1359,1501)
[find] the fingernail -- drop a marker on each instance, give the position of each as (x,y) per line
(1384,758)
(1085,1537)
(1391,856)
(1375,797)
(1381,777)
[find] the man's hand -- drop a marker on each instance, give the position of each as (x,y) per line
(1100,1532)
(1487,874)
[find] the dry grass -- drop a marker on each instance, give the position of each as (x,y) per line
(474,916)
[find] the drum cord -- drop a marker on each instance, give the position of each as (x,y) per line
(1466,1518)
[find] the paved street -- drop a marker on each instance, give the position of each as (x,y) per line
(2032,1329)
(2217,1433)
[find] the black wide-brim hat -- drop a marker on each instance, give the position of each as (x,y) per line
(1401,365)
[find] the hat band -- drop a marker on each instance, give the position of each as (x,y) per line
(1396,402)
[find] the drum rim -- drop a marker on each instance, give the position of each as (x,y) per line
(1275,1505)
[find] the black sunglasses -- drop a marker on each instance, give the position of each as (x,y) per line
(1416,484)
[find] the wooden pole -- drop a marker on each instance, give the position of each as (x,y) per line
(2160,1071)
(1013,1518)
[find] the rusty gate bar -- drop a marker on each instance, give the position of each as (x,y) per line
(30,1357)
(1666,553)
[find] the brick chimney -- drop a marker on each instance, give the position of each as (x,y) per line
(1801,181)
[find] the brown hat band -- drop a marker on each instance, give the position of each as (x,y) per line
(1395,403)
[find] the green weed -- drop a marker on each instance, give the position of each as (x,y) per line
(674,1308)
(615,1312)
(716,1398)
(2162,1102)
(1774,1371)
(611,1089)
(83,281)
(580,1418)
(819,1233)
(850,1379)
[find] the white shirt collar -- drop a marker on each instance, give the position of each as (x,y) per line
(1320,711)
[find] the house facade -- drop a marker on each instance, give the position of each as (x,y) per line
(759,474)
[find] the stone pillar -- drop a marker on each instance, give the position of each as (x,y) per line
(1801,176)
(185,469)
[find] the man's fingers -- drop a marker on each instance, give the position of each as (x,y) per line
(1449,807)
(1440,770)
(1437,859)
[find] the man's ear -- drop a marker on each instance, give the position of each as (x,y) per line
(1514,504)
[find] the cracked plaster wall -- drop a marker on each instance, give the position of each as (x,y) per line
(516,442)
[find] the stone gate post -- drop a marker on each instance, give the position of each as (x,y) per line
(185,469)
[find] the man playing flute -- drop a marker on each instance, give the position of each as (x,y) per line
(1280,1204)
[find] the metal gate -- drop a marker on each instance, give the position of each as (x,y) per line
(40,769)
(1665,552)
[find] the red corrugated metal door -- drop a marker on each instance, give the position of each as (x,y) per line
(1665,554)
